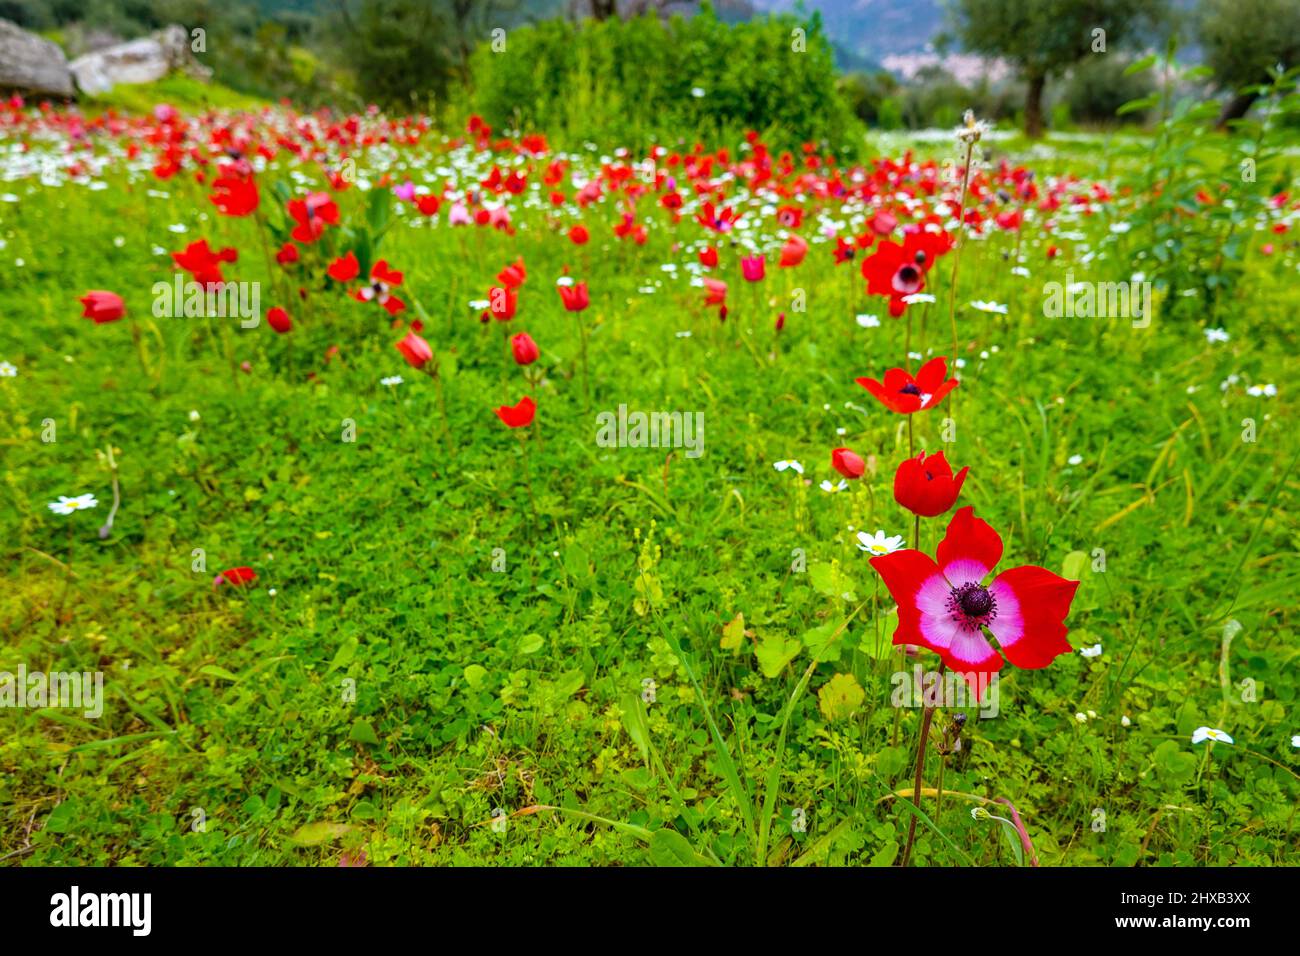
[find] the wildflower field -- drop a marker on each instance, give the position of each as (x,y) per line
(450,496)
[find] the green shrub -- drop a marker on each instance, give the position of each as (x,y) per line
(641,80)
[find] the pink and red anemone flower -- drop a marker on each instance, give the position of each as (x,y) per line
(237,577)
(945,605)
(382,281)
(312,215)
(902,393)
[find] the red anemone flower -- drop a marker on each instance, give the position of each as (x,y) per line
(904,394)
(575,296)
(926,486)
(312,215)
(235,195)
(793,252)
(848,463)
(524,349)
(578,235)
(503,302)
(382,280)
(512,276)
(518,415)
(238,577)
(202,263)
(287,255)
(345,268)
(415,350)
(945,605)
(279,320)
(101,306)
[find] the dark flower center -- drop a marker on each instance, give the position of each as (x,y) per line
(910,389)
(908,275)
(972,605)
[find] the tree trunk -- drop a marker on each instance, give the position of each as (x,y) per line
(1235,108)
(1034,106)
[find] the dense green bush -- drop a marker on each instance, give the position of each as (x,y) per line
(641,80)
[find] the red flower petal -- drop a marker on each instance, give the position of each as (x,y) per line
(970,549)
(1030,622)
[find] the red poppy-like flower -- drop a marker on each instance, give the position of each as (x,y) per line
(709,257)
(847,463)
(312,215)
(904,394)
(523,347)
(237,577)
(945,605)
(518,415)
(793,252)
(101,306)
(345,268)
(503,302)
(575,296)
(382,280)
(278,319)
(926,486)
(578,235)
(719,220)
(715,292)
(512,276)
(415,350)
(791,217)
(287,255)
(896,270)
(235,195)
(202,263)
(883,223)
(428,205)
(845,251)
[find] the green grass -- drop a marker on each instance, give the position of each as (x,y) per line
(183,92)
(478,690)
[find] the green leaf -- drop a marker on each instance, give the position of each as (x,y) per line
(775,652)
(212,670)
(474,675)
(670,848)
(840,697)
(364,733)
(314,834)
(531,643)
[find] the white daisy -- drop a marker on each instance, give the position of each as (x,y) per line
(1262,391)
(7,370)
(1295,740)
(66,505)
(868,321)
(994,307)
(827,486)
(1202,734)
(879,543)
(1216,335)
(1075,459)
(1124,721)
(919,298)
(1094,651)
(788,463)
(391,380)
